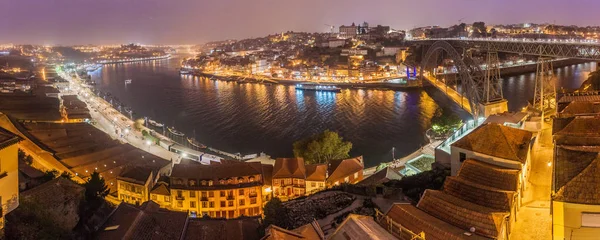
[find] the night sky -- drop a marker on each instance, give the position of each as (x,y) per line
(196,21)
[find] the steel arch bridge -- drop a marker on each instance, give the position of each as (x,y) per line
(473,82)
(470,74)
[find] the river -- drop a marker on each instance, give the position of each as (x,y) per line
(253,118)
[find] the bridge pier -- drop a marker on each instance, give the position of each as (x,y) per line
(491,108)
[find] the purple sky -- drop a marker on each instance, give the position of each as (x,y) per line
(196,21)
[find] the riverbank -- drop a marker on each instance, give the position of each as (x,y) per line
(134,59)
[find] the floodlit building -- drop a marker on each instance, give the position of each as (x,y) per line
(227,190)
(9,174)
(134,184)
(576,167)
(292,178)
(348,31)
(494,144)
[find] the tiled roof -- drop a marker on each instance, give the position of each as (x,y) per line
(580,131)
(310,231)
(289,168)
(571,161)
(136,174)
(316,172)
(221,229)
(486,221)
(583,188)
(381,176)
(7,138)
(583,98)
(489,175)
(339,169)
(161,188)
(497,140)
(217,171)
(480,194)
(145,222)
(55,192)
(579,107)
(359,227)
(418,221)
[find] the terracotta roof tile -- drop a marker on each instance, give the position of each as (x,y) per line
(580,131)
(136,174)
(339,169)
(486,221)
(584,188)
(216,172)
(221,229)
(359,227)
(7,138)
(310,231)
(489,175)
(580,107)
(381,176)
(571,161)
(161,188)
(289,168)
(480,194)
(316,172)
(418,221)
(497,140)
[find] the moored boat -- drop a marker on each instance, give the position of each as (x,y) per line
(317,87)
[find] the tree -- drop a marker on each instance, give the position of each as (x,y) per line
(322,148)
(443,122)
(592,83)
(95,187)
(138,124)
(479,29)
(276,214)
(25,157)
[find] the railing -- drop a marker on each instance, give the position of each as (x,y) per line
(469,125)
(253,194)
(396,229)
(179,197)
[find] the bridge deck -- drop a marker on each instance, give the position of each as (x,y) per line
(462,101)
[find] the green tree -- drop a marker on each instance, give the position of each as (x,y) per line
(25,157)
(276,214)
(444,122)
(95,187)
(322,148)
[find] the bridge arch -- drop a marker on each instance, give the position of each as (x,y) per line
(469,72)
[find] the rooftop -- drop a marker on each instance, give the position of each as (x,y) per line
(358,227)
(144,222)
(316,172)
(310,231)
(497,140)
(136,174)
(338,169)
(381,176)
(463,214)
(220,229)
(476,193)
(489,175)
(289,168)
(419,221)
(7,138)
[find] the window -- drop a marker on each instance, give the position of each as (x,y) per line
(204,204)
(242,202)
(230,193)
(210,182)
(221,181)
(347,179)
(179,203)
(222,193)
(203,182)
(462,157)
(241,192)
(321,184)
(222,203)
(179,193)
(211,204)
(203,194)
(211,194)
(192,204)
(154,197)
(590,219)
(230,203)
(167,199)
(252,200)
(313,184)
(192,194)
(192,183)
(356,175)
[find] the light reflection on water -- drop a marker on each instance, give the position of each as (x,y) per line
(250,118)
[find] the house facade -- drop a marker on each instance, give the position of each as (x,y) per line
(9,174)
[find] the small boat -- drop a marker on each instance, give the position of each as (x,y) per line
(175,132)
(195,143)
(128,81)
(184,71)
(317,87)
(156,124)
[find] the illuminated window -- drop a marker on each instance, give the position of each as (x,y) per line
(192,204)
(192,194)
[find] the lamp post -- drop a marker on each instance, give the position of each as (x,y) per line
(393,154)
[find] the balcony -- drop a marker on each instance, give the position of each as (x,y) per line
(179,197)
(253,194)
(230,197)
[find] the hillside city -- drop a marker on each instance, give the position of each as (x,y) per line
(78,163)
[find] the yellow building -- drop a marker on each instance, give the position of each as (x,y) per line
(226,190)
(9,174)
(575,186)
(289,175)
(134,185)
(316,174)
